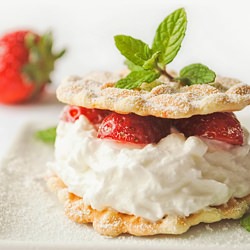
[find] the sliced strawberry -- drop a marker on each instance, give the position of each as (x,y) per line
(222,126)
(72,113)
(134,128)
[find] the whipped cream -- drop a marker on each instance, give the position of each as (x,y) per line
(177,176)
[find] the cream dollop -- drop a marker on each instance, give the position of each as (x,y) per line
(176,176)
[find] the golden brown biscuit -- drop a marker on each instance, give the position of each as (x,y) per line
(112,223)
(168,100)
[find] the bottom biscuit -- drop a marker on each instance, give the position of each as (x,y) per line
(112,223)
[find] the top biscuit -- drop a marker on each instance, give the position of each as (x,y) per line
(168,100)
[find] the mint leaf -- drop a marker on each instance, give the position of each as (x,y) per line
(132,66)
(245,222)
(196,74)
(136,78)
(169,36)
(47,135)
(149,86)
(133,49)
(151,63)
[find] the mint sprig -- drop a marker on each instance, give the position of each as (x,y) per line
(148,64)
(47,135)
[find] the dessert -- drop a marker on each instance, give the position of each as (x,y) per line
(80,159)
(154,160)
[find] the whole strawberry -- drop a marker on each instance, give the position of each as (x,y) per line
(26,61)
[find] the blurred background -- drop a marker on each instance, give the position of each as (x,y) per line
(218,35)
(218,32)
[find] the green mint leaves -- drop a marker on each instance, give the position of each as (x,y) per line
(133,49)
(196,74)
(245,222)
(169,36)
(136,78)
(148,64)
(140,59)
(47,135)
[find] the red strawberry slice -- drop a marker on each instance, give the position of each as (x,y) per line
(95,116)
(133,128)
(222,126)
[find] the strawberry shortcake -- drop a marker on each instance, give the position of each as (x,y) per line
(151,162)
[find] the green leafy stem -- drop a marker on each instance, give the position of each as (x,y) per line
(148,64)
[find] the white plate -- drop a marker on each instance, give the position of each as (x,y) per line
(32,218)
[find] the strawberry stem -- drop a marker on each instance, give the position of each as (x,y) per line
(41,58)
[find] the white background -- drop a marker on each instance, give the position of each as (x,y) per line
(218,31)
(218,35)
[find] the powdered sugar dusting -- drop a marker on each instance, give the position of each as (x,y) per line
(30,213)
(169,100)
